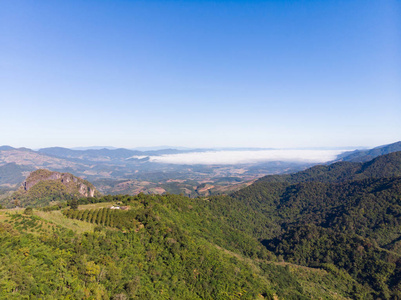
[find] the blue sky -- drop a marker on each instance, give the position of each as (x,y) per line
(200,73)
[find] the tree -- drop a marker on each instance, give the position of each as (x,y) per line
(28,211)
(74,204)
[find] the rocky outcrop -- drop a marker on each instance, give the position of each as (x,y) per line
(73,184)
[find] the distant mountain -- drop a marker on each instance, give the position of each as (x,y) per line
(2,148)
(93,148)
(106,154)
(366,155)
(34,159)
(59,151)
(132,171)
(388,165)
(91,154)
(156,148)
(12,174)
(118,171)
(43,186)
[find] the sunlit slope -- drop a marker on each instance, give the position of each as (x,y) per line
(181,251)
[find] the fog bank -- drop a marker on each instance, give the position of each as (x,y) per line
(245,157)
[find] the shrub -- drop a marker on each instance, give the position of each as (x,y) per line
(28,211)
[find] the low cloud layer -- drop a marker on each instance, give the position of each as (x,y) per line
(242,157)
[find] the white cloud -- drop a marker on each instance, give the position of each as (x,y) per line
(241,157)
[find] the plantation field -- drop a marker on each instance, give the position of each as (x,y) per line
(52,219)
(96,205)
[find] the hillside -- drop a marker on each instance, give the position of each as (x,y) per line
(366,155)
(43,186)
(29,158)
(329,232)
(12,174)
(388,165)
(345,216)
(163,247)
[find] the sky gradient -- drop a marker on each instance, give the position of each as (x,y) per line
(200,73)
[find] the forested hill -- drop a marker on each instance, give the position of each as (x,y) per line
(366,155)
(388,165)
(346,216)
(43,186)
(159,247)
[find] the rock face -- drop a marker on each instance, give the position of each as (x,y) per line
(73,184)
(43,187)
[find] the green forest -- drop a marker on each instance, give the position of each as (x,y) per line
(162,247)
(329,232)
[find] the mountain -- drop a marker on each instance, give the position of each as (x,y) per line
(2,148)
(12,174)
(366,155)
(388,165)
(155,148)
(345,217)
(110,154)
(130,172)
(29,158)
(43,186)
(94,148)
(91,154)
(330,233)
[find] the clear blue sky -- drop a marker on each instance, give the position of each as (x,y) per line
(200,73)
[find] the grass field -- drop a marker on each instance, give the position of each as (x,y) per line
(55,218)
(96,205)
(58,218)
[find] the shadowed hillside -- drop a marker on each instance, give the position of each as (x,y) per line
(344,217)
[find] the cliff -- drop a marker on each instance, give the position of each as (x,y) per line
(43,186)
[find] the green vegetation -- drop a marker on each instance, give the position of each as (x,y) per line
(388,165)
(163,247)
(28,211)
(123,220)
(43,187)
(318,218)
(330,232)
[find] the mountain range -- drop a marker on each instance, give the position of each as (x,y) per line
(328,232)
(116,171)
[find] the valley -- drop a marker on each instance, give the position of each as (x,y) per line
(328,232)
(200,150)
(117,172)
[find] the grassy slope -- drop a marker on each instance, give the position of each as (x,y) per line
(48,220)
